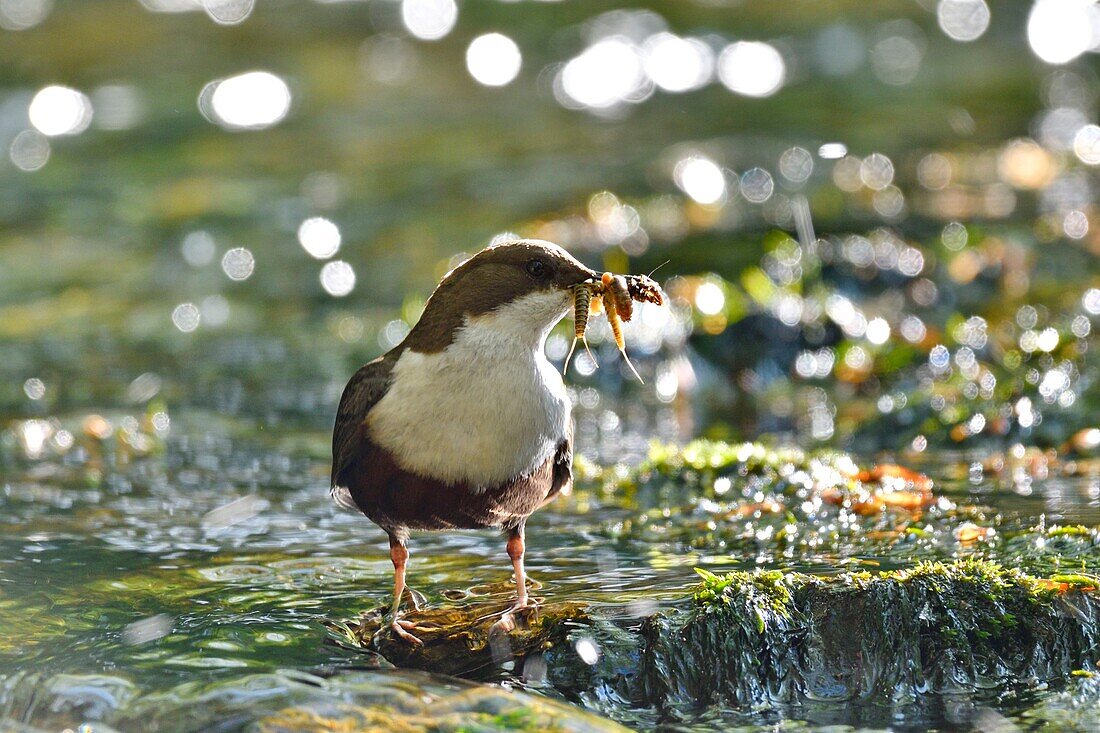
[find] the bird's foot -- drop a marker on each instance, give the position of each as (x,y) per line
(401,627)
(507,621)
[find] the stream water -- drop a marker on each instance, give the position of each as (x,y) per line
(883,242)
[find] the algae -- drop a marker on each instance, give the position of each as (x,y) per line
(944,628)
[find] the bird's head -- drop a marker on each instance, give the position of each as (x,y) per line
(521,288)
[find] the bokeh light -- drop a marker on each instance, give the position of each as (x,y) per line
(605,74)
(186,317)
(701,179)
(796,164)
(19,15)
(757,185)
(896,57)
(493,59)
(337,278)
(677,64)
(228,12)
(238,263)
(963,20)
(250,101)
(1061,30)
(1086,144)
(29,151)
(198,248)
(429,20)
(752,68)
(319,237)
(58,110)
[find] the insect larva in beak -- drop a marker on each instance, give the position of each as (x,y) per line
(644,288)
(623,302)
(582,302)
(613,310)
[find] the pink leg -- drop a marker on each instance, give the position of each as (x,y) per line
(516,548)
(399,554)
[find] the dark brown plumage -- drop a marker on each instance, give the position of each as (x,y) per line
(372,471)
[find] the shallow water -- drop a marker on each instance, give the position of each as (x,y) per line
(218,560)
(171,351)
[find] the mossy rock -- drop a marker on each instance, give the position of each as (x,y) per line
(457,638)
(769,637)
(946,628)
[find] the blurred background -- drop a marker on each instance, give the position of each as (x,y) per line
(876,219)
(876,223)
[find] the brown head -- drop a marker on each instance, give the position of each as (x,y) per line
(534,277)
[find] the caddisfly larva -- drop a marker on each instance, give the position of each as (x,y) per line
(583,298)
(612,286)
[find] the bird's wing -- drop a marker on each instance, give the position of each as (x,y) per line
(563,465)
(361,393)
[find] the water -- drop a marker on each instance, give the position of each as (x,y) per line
(893,252)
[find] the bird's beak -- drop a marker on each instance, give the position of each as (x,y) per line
(575,273)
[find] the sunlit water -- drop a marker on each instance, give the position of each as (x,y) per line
(212,212)
(191,572)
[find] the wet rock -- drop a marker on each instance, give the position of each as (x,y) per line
(769,637)
(457,639)
(395,701)
(936,628)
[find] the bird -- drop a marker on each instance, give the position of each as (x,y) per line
(465,424)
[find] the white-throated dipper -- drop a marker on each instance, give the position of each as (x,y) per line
(465,424)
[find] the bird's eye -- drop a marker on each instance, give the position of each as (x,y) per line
(536,268)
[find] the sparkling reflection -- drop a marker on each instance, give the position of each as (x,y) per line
(19,15)
(429,20)
(337,278)
(752,68)
(493,59)
(319,237)
(250,101)
(58,110)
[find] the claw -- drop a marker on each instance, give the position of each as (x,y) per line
(398,627)
(504,625)
(507,621)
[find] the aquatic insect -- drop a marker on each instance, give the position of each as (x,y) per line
(614,290)
(644,288)
(613,295)
(583,299)
(624,305)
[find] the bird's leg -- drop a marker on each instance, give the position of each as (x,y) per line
(516,548)
(399,554)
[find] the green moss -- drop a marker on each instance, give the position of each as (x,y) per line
(991,578)
(765,592)
(1080,580)
(767,637)
(1075,530)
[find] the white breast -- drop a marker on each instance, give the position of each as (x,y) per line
(487,408)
